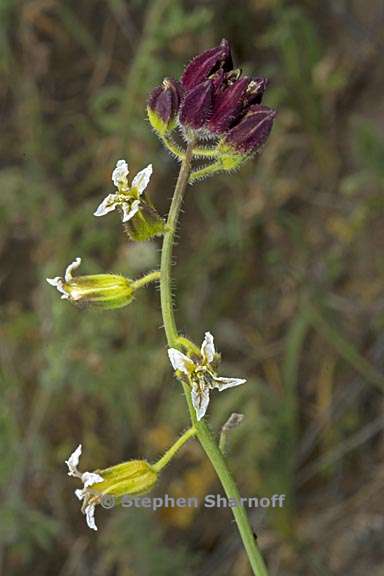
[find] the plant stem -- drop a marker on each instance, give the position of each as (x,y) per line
(174,148)
(147,279)
(205,152)
(208,170)
(179,153)
(166,252)
(164,460)
(188,345)
(202,431)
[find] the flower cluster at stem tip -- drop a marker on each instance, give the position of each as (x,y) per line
(211,101)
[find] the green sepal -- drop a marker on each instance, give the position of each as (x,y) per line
(131,477)
(145,224)
(107,291)
(158,124)
(229,157)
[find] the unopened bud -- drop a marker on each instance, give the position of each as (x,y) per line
(228,104)
(252,131)
(196,107)
(204,64)
(163,105)
(232,103)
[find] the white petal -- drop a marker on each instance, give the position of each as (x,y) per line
(73,462)
(142,178)
(80,493)
(90,478)
(107,205)
(224,383)
(129,212)
(55,281)
(180,361)
(90,516)
(73,266)
(200,401)
(208,348)
(59,284)
(120,173)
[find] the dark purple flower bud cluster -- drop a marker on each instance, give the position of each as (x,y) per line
(213,98)
(225,103)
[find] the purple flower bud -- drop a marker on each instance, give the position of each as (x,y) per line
(163,105)
(196,108)
(228,104)
(232,102)
(252,131)
(206,63)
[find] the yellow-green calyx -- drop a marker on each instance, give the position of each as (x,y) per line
(145,224)
(132,477)
(229,157)
(158,123)
(103,290)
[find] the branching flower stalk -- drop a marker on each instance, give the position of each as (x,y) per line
(211,103)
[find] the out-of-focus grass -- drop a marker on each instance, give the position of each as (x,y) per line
(282,261)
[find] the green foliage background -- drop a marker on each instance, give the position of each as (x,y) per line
(282,261)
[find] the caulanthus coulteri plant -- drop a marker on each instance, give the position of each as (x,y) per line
(219,115)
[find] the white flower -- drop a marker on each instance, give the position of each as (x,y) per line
(127,198)
(88,479)
(202,374)
(60,283)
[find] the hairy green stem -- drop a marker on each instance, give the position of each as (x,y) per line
(165,459)
(205,171)
(179,153)
(174,148)
(202,431)
(188,345)
(147,279)
(205,152)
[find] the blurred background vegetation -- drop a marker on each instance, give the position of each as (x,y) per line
(283,262)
